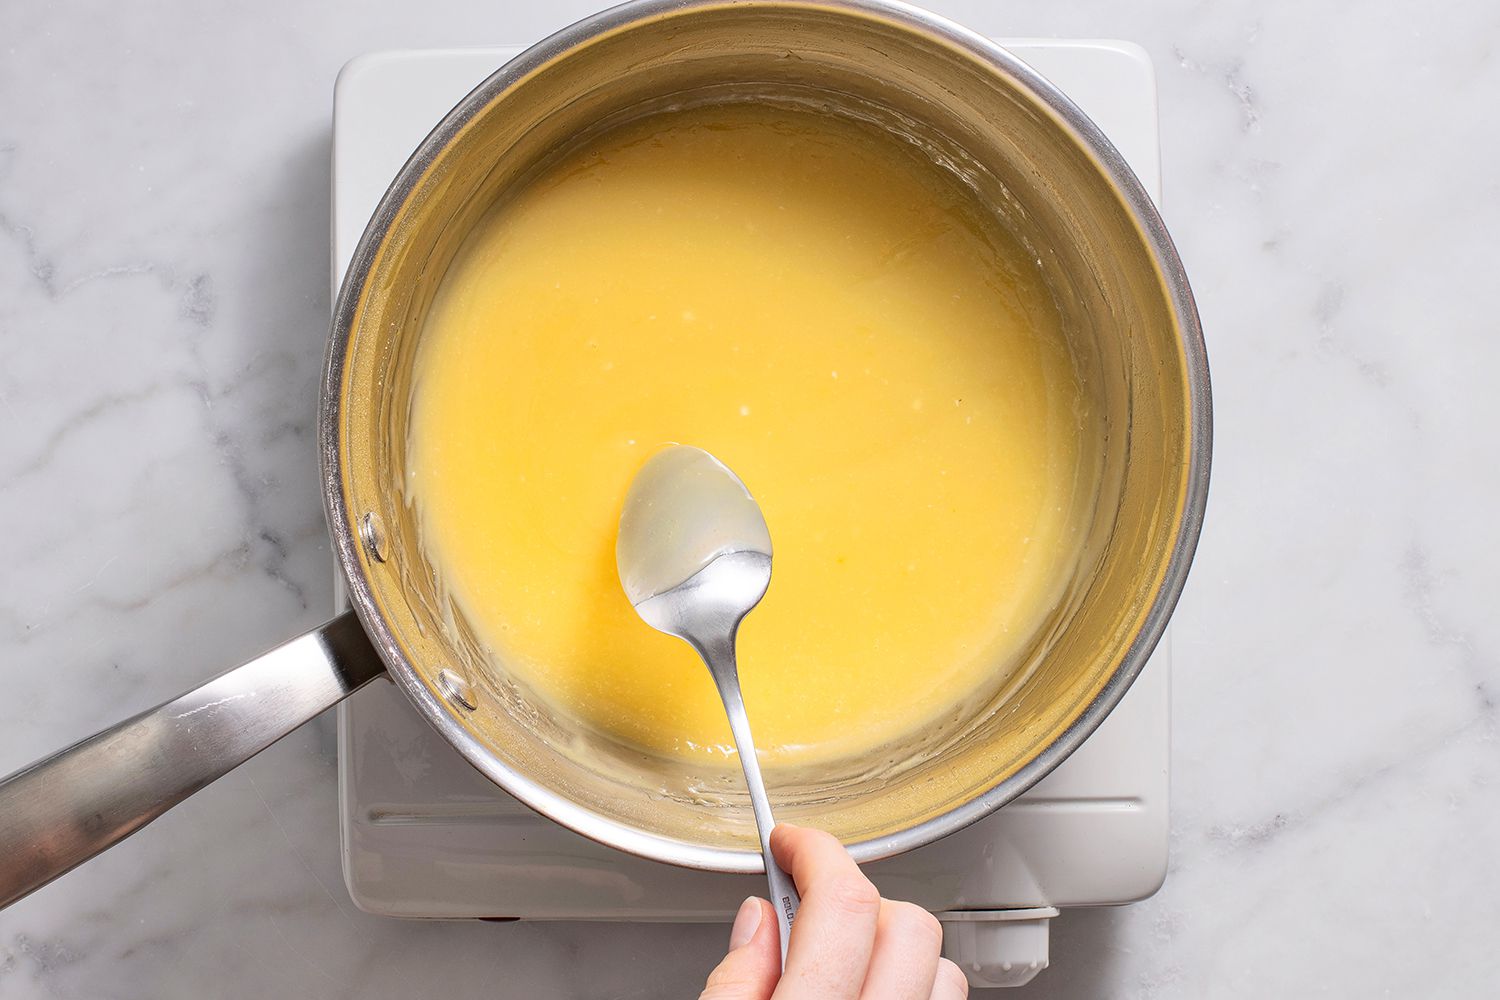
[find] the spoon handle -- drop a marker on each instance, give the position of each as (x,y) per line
(784,899)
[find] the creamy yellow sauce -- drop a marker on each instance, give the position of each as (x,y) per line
(839,322)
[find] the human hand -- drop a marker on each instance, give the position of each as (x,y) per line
(847,943)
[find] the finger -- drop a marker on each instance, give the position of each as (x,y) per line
(834,932)
(750,970)
(950,983)
(908,941)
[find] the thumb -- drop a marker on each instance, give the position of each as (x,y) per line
(753,965)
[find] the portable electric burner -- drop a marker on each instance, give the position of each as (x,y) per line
(425,835)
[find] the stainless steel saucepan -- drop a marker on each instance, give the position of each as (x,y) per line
(974,110)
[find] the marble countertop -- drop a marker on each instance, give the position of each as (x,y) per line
(163,302)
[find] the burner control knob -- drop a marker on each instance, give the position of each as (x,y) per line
(997,947)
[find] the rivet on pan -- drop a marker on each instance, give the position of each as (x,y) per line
(456,689)
(372,534)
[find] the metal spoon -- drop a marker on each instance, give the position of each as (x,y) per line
(694,557)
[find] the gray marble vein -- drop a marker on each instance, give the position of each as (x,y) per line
(1332,178)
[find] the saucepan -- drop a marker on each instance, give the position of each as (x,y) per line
(976,111)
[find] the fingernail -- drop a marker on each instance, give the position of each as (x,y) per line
(745,923)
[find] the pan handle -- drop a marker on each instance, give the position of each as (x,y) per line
(66,808)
